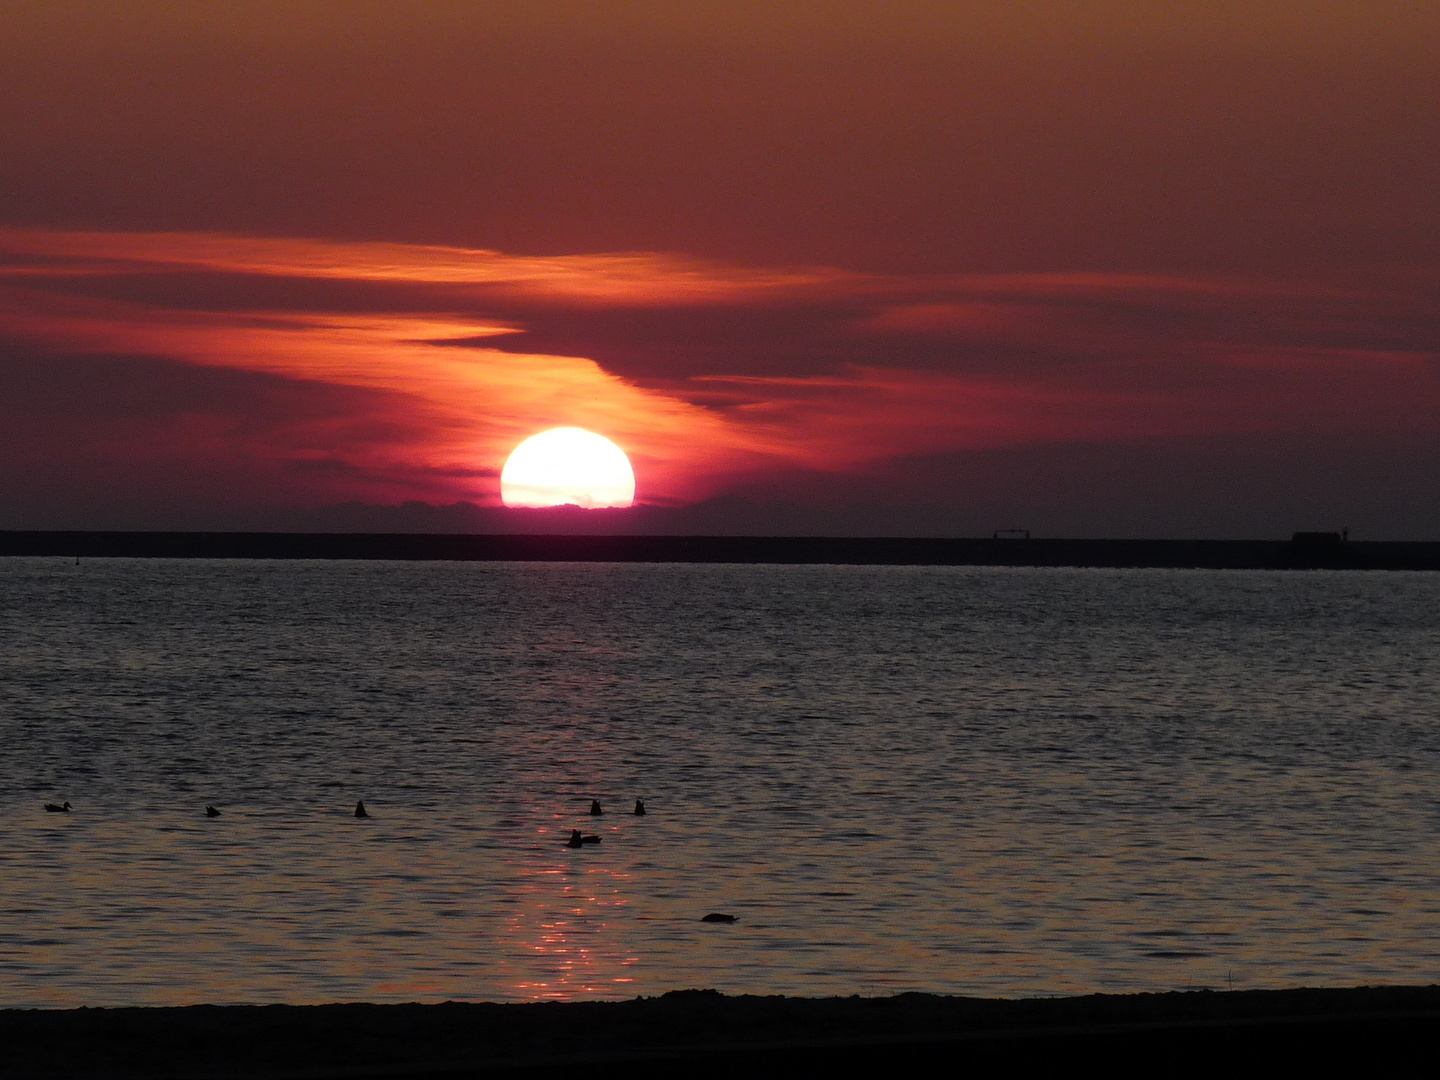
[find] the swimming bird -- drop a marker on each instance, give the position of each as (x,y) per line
(595,810)
(639,807)
(57,809)
(715,916)
(210,811)
(360,810)
(590,838)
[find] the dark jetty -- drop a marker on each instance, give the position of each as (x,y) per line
(1371,1031)
(1303,551)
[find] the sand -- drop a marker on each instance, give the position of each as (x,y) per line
(708,1034)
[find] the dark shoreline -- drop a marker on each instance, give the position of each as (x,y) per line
(1313,552)
(708,1034)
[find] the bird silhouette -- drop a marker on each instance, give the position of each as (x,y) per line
(210,811)
(360,810)
(595,810)
(715,916)
(50,806)
(639,807)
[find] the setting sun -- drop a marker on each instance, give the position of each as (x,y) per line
(567,466)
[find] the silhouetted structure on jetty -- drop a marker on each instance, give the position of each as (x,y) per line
(1304,550)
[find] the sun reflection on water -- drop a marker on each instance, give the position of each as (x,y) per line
(567,920)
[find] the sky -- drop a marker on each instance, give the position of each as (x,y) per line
(1090,269)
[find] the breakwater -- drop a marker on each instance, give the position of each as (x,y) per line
(1304,552)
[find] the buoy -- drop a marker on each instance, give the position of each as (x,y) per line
(595,810)
(639,807)
(360,810)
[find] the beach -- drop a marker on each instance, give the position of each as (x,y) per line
(710,1034)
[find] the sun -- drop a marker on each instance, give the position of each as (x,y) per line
(567,465)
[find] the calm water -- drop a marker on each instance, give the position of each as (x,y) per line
(975,781)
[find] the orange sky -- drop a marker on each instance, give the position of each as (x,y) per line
(1109,267)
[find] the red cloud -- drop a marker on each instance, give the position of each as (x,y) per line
(423,365)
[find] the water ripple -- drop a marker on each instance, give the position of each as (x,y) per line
(962,780)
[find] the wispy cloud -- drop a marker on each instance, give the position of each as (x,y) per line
(704,371)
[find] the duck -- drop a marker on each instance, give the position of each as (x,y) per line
(639,807)
(595,810)
(210,811)
(716,916)
(50,806)
(360,810)
(590,838)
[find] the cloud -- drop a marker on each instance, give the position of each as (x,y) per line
(415,369)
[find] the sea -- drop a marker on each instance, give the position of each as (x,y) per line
(979,781)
